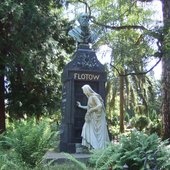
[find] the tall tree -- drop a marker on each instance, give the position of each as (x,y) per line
(165,55)
(2,102)
(32,48)
(166,70)
(131,49)
(121,82)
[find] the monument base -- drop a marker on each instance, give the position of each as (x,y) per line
(67,147)
(73,148)
(59,158)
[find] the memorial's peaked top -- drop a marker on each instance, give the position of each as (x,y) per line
(84,60)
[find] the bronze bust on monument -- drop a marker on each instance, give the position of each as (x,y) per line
(82,33)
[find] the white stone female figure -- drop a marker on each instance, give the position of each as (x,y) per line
(94,133)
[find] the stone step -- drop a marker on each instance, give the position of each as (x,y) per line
(59,158)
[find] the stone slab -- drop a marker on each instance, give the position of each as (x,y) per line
(59,158)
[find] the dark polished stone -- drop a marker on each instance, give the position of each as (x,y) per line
(84,68)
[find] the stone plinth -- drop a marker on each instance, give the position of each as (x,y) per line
(59,158)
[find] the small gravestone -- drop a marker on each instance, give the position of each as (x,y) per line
(83,69)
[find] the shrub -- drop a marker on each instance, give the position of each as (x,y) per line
(140,122)
(9,160)
(114,130)
(155,127)
(137,151)
(29,139)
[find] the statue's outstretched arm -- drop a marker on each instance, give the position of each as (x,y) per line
(80,106)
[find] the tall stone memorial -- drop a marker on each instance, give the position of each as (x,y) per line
(83,69)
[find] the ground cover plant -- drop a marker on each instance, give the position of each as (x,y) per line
(136,151)
(23,145)
(25,142)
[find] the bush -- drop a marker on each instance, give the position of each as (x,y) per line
(29,140)
(155,127)
(137,151)
(140,122)
(9,160)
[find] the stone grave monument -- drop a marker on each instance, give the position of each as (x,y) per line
(83,69)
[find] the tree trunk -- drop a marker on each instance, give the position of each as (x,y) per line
(2,103)
(166,97)
(166,75)
(121,104)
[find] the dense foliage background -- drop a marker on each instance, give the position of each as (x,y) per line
(35,46)
(33,50)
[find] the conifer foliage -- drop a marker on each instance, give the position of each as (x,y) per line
(33,50)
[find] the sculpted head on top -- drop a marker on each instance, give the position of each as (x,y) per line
(83,33)
(83,19)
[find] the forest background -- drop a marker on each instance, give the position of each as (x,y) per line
(35,46)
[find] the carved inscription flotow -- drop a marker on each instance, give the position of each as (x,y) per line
(85,76)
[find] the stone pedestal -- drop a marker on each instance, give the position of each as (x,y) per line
(83,69)
(61,158)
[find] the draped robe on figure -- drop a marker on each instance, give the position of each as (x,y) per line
(94,132)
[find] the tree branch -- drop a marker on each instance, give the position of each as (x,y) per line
(118,27)
(139,73)
(84,2)
(145,0)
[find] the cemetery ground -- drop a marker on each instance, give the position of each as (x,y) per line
(25,142)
